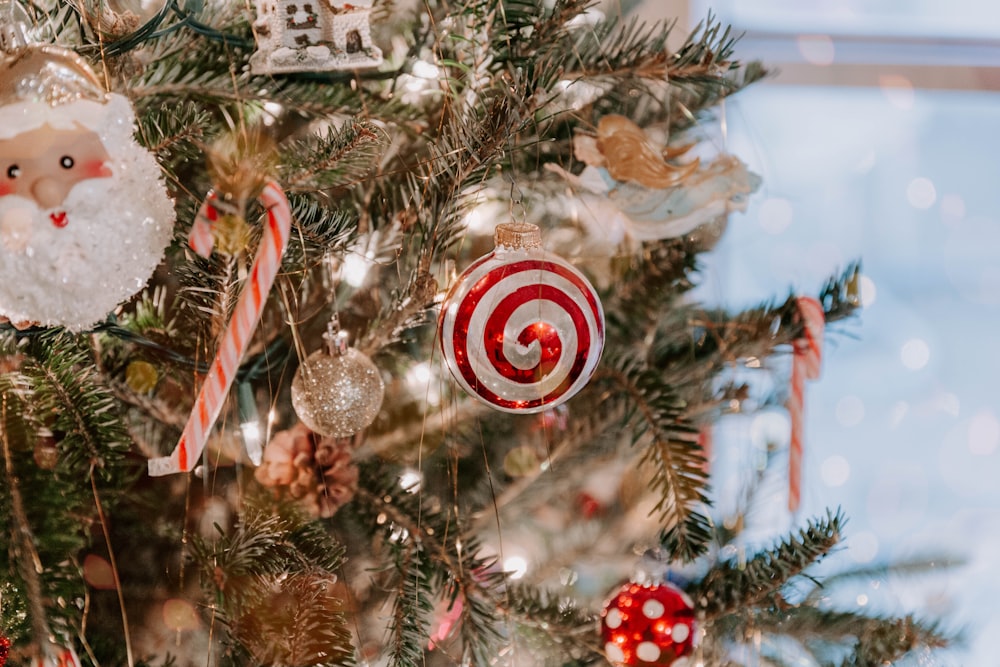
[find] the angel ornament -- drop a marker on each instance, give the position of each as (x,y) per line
(631,190)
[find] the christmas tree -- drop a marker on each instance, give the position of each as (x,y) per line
(263,404)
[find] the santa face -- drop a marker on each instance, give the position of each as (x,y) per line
(46,163)
(84,216)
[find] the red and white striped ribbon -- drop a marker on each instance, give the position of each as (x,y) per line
(806,362)
(220,377)
(706,444)
(201,238)
(57,656)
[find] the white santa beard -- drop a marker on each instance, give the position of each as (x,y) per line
(116,231)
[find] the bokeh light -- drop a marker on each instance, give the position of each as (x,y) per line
(863,547)
(850,411)
(515,566)
(898,497)
(868,293)
(180,615)
(775,215)
(835,471)
(817,49)
(984,433)
(952,209)
(898,91)
(98,574)
(921,193)
(898,413)
(915,354)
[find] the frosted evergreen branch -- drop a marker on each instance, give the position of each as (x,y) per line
(731,587)
(317,230)
(402,314)
(872,640)
(461,157)
(903,568)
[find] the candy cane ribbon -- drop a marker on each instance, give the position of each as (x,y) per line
(220,377)
(806,361)
(57,657)
(705,442)
(201,238)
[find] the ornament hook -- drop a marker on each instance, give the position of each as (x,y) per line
(336,339)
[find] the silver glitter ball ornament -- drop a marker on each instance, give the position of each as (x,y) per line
(337,394)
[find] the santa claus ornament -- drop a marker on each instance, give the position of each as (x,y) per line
(648,626)
(84,214)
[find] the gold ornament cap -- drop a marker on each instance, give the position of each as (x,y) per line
(49,74)
(517,236)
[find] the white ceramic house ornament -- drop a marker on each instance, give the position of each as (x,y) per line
(313,36)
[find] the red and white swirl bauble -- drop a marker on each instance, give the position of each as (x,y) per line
(522,330)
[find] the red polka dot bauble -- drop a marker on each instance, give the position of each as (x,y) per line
(648,626)
(522,330)
(4,650)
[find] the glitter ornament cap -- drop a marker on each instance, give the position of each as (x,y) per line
(517,236)
(40,72)
(49,74)
(338,391)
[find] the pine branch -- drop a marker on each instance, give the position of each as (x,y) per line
(482,636)
(871,640)
(50,509)
(648,289)
(905,567)
(175,133)
(678,464)
(412,606)
(448,558)
(693,345)
(317,229)
(885,642)
(22,538)
(734,588)
(557,619)
(70,397)
(273,581)
(340,158)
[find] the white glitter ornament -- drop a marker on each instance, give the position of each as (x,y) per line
(84,214)
(313,36)
(337,391)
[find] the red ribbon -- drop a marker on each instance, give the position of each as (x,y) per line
(806,362)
